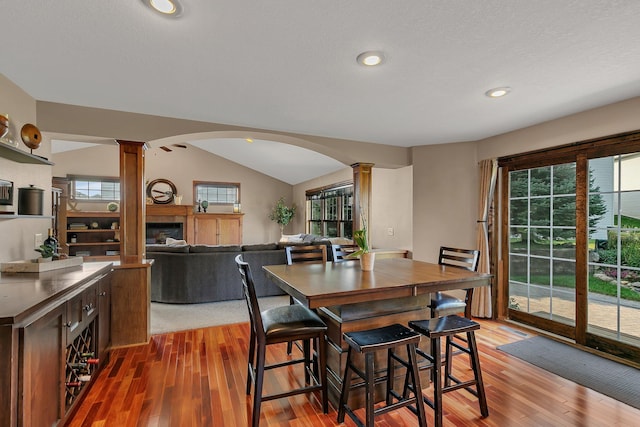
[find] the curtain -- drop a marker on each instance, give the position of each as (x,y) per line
(481,302)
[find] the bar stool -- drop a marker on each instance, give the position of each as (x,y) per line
(275,326)
(447,327)
(367,343)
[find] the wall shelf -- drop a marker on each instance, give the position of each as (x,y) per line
(15,216)
(19,156)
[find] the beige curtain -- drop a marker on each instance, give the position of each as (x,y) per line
(481,303)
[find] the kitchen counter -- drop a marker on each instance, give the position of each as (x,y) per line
(22,294)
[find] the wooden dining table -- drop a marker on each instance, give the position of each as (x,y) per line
(348,299)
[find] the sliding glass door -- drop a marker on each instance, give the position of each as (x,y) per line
(614,249)
(571,242)
(542,255)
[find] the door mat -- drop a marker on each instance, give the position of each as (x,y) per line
(605,376)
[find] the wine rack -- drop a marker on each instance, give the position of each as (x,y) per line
(80,363)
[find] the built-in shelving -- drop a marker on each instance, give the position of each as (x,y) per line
(19,156)
(98,242)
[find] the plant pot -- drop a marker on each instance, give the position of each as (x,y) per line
(367,260)
(48,259)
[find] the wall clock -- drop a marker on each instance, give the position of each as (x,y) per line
(161,191)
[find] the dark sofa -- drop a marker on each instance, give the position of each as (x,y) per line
(206,273)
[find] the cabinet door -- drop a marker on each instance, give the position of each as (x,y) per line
(229,231)
(41,373)
(75,318)
(206,230)
(104,317)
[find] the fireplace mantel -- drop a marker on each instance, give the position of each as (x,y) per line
(168,210)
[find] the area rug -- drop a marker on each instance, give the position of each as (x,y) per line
(605,376)
(181,317)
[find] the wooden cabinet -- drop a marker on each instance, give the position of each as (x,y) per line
(51,331)
(218,229)
(41,370)
(92,235)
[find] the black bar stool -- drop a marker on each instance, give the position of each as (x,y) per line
(368,342)
(447,327)
(278,325)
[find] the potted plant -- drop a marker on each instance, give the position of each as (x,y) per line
(367,258)
(46,253)
(282,214)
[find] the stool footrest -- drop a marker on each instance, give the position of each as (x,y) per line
(292,392)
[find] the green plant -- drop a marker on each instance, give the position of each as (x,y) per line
(45,250)
(361,239)
(282,214)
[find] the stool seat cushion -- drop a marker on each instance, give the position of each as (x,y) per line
(442,302)
(379,338)
(443,326)
(290,321)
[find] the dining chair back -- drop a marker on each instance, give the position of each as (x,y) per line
(304,254)
(280,325)
(441,303)
(461,258)
(341,253)
(307,253)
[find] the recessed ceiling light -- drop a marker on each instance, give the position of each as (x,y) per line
(370,58)
(171,8)
(249,140)
(498,92)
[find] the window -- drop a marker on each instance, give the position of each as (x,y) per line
(98,189)
(329,211)
(218,193)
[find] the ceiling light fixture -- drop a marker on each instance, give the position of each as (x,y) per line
(249,140)
(370,58)
(498,92)
(171,8)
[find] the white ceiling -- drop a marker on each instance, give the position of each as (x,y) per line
(289,65)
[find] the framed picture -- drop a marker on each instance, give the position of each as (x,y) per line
(6,192)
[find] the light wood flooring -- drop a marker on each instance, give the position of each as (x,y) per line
(197,378)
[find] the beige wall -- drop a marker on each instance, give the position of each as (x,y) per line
(182,167)
(444,198)
(608,120)
(18,234)
(392,207)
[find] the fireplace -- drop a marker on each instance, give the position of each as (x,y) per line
(157,232)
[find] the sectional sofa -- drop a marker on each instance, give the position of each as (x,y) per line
(205,273)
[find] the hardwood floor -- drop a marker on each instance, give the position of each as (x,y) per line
(197,378)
